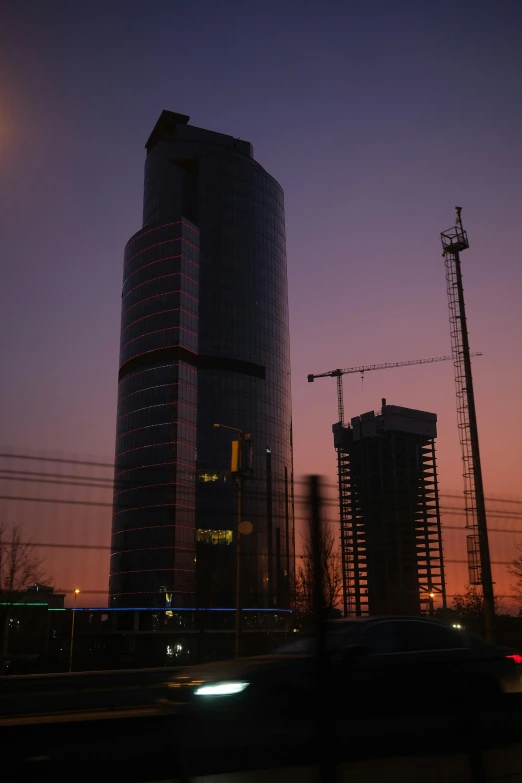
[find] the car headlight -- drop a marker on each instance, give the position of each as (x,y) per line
(220,688)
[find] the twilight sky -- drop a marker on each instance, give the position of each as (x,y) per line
(377,118)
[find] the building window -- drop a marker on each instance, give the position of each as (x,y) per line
(214,536)
(205,477)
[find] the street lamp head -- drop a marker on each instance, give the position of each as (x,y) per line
(217,425)
(76,591)
(432,595)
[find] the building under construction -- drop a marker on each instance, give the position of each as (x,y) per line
(391,541)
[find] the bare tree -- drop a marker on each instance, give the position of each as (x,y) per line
(515,569)
(332,573)
(19,569)
(470,604)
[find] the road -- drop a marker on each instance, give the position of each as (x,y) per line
(500,766)
(76,727)
(147,744)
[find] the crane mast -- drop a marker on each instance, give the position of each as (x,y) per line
(454,241)
(340,398)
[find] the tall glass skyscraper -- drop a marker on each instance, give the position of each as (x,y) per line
(204,340)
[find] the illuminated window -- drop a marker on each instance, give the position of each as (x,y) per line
(215,537)
(208,477)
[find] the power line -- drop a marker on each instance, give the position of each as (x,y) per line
(55,500)
(57,459)
(110,482)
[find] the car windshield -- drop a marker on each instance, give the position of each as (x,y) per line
(336,635)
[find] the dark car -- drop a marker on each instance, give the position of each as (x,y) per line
(516,657)
(371,665)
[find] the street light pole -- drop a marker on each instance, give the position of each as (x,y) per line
(72,630)
(239,472)
(238,552)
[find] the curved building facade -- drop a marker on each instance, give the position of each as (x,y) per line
(204,340)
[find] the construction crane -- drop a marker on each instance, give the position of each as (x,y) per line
(454,241)
(343,461)
(367,368)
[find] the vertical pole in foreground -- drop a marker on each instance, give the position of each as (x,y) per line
(317,569)
(323,710)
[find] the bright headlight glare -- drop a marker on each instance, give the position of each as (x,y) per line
(220,688)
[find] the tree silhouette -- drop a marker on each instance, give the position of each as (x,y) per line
(515,569)
(470,604)
(19,569)
(332,574)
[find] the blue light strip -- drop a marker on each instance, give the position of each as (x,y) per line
(170,609)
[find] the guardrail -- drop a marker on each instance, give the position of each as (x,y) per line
(51,693)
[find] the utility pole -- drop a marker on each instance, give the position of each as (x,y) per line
(72,630)
(454,241)
(274,589)
(239,480)
(239,470)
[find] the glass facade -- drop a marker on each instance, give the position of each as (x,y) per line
(238,375)
(154,498)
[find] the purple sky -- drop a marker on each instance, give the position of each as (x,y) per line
(377,117)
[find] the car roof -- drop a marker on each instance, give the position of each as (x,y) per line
(383,618)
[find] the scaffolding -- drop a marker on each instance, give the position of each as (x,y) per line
(391,539)
(353,544)
(353,561)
